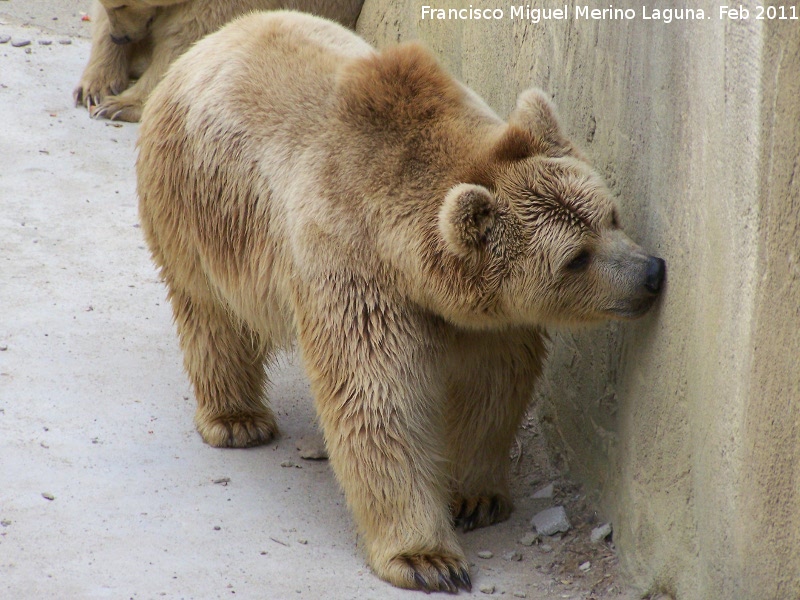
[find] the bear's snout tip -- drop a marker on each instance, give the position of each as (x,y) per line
(120,40)
(656,271)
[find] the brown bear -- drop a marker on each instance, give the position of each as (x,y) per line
(296,184)
(139,39)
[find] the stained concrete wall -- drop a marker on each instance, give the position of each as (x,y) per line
(688,421)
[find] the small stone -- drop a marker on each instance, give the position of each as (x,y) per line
(20,43)
(546,548)
(529,539)
(45,42)
(551,521)
(600,533)
(4,39)
(287,464)
(65,42)
(513,556)
(221,481)
(312,447)
(520,595)
(485,554)
(302,541)
(487,588)
(48,496)
(544,493)
(217,528)
(585,566)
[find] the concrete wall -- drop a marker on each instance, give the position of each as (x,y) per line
(688,421)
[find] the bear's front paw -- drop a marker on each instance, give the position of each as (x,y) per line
(237,431)
(93,90)
(480,511)
(118,108)
(428,572)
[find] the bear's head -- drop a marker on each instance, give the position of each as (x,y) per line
(540,230)
(130,20)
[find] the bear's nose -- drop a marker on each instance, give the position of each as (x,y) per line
(120,40)
(654,278)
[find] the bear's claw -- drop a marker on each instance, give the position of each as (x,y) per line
(437,573)
(115,108)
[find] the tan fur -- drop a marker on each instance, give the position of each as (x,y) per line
(139,39)
(294,183)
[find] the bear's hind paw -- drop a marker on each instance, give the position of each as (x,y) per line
(238,431)
(480,511)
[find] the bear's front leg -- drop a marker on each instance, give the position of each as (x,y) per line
(378,392)
(107,71)
(490,384)
(128,104)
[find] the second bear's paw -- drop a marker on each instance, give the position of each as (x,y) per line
(429,572)
(93,90)
(480,511)
(238,431)
(118,108)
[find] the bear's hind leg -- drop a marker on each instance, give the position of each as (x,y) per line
(490,385)
(225,363)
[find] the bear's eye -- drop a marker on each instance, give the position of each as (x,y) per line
(580,262)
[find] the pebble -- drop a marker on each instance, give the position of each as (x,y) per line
(513,555)
(585,566)
(48,496)
(45,42)
(20,43)
(529,539)
(287,464)
(520,595)
(545,492)
(65,42)
(600,533)
(487,588)
(546,548)
(4,39)
(551,521)
(485,554)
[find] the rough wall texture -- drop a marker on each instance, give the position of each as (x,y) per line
(688,421)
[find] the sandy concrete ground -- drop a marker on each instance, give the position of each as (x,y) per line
(106,490)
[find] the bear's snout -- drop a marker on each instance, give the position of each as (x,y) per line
(654,277)
(120,40)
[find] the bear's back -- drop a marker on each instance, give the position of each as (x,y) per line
(267,75)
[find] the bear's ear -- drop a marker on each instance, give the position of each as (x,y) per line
(534,123)
(467,217)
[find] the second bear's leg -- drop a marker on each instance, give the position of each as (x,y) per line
(225,363)
(490,385)
(378,393)
(106,72)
